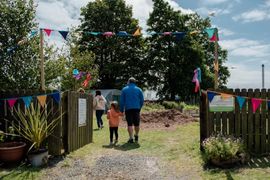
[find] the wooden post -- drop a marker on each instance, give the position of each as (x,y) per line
(216,66)
(42,73)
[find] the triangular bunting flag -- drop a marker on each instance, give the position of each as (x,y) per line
(42,100)
(108,34)
(255,104)
(137,32)
(211,95)
(210,32)
(11,102)
(225,96)
(268,103)
(215,35)
(47,31)
(64,34)
(33,33)
(27,101)
(122,33)
(241,101)
(94,33)
(194,32)
(179,35)
(56,97)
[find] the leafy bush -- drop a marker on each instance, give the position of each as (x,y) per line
(222,148)
(170,105)
(149,106)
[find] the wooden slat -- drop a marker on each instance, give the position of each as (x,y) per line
(263,121)
(237,116)
(257,122)
(250,122)
(268,120)
(244,117)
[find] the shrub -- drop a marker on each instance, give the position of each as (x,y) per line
(222,148)
(170,105)
(149,106)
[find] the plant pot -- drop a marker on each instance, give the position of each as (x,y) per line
(12,152)
(38,158)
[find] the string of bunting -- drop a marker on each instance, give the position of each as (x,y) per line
(256,102)
(28,99)
(79,74)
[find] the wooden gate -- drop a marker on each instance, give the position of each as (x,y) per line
(79,132)
(253,128)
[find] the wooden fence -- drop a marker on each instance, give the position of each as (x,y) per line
(67,135)
(253,128)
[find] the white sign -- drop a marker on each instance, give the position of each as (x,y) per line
(82,112)
(219,104)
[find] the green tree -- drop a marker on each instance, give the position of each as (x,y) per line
(18,68)
(117,58)
(174,61)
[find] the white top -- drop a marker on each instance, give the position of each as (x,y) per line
(99,102)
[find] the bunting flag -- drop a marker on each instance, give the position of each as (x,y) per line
(268,103)
(240,101)
(56,97)
(167,33)
(64,34)
(27,101)
(212,34)
(255,104)
(122,34)
(108,34)
(33,33)
(211,95)
(194,32)
(137,32)
(42,100)
(11,102)
(225,96)
(179,35)
(93,33)
(48,31)
(197,79)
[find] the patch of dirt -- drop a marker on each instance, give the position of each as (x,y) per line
(165,119)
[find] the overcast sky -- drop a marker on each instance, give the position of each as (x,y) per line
(244,28)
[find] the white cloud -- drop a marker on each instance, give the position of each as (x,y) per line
(204,11)
(213,2)
(246,48)
(226,32)
(252,16)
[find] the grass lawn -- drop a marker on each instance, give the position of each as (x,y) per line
(178,149)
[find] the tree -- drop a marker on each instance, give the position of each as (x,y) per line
(18,68)
(117,58)
(173,61)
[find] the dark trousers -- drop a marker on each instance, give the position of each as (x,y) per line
(115,131)
(99,114)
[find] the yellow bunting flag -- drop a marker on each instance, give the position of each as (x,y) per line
(42,100)
(225,96)
(137,32)
(194,32)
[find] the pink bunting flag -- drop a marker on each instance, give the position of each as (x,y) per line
(167,33)
(255,104)
(108,34)
(11,102)
(42,100)
(48,31)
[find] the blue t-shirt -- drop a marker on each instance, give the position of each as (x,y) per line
(131,97)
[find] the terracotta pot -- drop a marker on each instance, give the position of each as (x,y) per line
(12,152)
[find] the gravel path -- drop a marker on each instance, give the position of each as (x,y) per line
(118,166)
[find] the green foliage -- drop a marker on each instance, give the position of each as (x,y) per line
(222,148)
(18,69)
(171,58)
(149,106)
(190,107)
(117,58)
(35,124)
(172,105)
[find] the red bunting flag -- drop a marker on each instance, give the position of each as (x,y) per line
(48,31)
(255,104)
(11,102)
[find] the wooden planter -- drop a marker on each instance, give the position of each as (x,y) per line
(12,152)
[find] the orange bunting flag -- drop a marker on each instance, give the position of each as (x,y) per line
(225,96)
(194,32)
(42,100)
(137,32)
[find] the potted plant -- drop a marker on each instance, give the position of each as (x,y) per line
(35,124)
(224,151)
(11,151)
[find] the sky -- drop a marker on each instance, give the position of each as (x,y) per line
(243,26)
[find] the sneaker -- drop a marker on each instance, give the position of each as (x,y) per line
(102,127)
(136,138)
(130,141)
(116,141)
